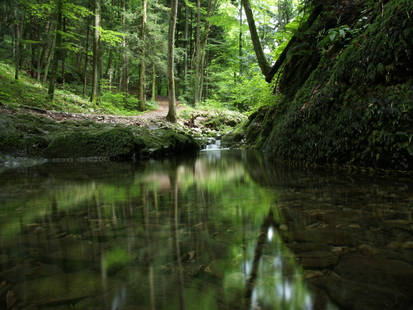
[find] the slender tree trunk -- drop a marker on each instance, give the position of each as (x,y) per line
(17,39)
(153,90)
(259,53)
(49,59)
(57,50)
(202,70)
(153,97)
(63,56)
(79,58)
(142,75)
(201,49)
(123,75)
(186,49)
(42,55)
(100,71)
(240,39)
(33,61)
(159,87)
(34,34)
(110,63)
(96,45)
(86,58)
(197,53)
(191,43)
(171,52)
(207,84)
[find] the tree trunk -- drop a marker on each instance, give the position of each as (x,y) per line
(96,42)
(17,39)
(63,56)
(153,97)
(110,62)
(142,75)
(123,74)
(33,61)
(201,84)
(197,53)
(49,58)
(186,49)
(86,58)
(57,50)
(100,71)
(259,53)
(171,52)
(240,39)
(42,55)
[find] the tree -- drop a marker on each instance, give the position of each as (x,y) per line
(240,39)
(57,49)
(95,96)
(259,52)
(17,42)
(84,76)
(142,77)
(171,54)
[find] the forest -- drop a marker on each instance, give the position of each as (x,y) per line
(117,51)
(206,154)
(312,81)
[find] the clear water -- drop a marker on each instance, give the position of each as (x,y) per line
(224,230)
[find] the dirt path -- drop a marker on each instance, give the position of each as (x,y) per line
(149,119)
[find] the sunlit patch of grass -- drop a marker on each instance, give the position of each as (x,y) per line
(28,92)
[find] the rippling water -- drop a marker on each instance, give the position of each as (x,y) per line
(224,230)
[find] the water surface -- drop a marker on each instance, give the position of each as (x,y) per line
(224,230)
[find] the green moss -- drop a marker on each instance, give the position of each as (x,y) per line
(356,105)
(110,142)
(29,135)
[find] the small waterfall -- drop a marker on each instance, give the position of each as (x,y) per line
(214,144)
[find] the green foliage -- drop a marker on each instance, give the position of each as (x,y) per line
(339,35)
(251,93)
(111,37)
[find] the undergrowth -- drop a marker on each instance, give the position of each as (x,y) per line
(27,92)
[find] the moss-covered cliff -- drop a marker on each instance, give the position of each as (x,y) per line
(346,89)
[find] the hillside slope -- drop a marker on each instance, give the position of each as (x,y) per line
(345,94)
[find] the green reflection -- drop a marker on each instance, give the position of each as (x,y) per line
(196,234)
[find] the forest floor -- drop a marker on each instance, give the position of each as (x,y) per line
(151,119)
(72,126)
(197,122)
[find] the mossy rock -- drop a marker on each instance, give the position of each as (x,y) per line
(33,136)
(107,142)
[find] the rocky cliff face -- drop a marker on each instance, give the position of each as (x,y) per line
(346,89)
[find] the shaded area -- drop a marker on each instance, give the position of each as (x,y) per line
(225,230)
(346,88)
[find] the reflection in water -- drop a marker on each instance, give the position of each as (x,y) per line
(225,230)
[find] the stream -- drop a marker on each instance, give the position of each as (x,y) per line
(222,230)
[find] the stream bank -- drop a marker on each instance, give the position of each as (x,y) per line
(28,136)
